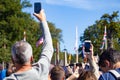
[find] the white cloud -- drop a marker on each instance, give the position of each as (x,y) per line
(85,4)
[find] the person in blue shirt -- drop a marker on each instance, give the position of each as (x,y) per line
(109,60)
(2,72)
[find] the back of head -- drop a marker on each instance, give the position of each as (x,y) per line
(21,52)
(87,75)
(57,73)
(110,55)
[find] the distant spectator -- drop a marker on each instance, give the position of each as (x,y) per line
(75,74)
(87,75)
(57,73)
(68,72)
(110,60)
(2,72)
(10,69)
(22,56)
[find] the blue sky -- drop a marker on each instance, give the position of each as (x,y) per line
(67,14)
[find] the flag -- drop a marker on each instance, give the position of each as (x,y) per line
(39,42)
(69,58)
(102,45)
(104,42)
(82,53)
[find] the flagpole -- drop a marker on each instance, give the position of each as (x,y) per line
(76,56)
(76,45)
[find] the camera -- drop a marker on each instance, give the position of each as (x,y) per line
(37,7)
(87,45)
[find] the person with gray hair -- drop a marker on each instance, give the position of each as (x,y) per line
(22,56)
(21,52)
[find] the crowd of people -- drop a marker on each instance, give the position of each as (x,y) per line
(107,68)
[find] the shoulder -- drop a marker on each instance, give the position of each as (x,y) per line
(118,70)
(11,77)
(108,75)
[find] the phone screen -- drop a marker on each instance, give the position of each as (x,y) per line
(87,46)
(37,7)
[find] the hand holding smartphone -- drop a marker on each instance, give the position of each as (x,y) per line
(37,7)
(87,45)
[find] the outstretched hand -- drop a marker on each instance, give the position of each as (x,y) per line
(40,16)
(91,53)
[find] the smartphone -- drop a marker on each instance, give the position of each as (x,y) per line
(87,45)
(37,7)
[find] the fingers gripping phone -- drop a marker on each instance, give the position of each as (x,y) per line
(87,45)
(37,7)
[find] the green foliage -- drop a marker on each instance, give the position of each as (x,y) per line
(56,34)
(95,32)
(25,4)
(13,23)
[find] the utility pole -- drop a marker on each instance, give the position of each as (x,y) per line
(57,53)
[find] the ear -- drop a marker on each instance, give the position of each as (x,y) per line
(31,59)
(107,63)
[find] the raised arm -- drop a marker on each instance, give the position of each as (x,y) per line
(93,65)
(47,50)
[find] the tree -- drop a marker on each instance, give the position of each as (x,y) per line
(13,23)
(95,32)
(56,34)
(113,27)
